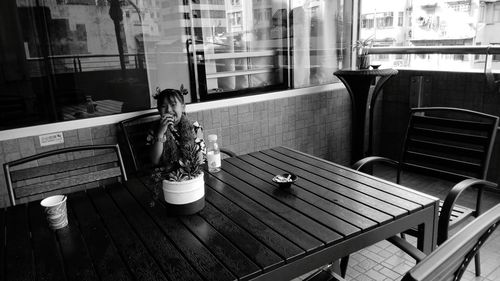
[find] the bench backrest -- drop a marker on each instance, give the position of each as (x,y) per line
(63,170)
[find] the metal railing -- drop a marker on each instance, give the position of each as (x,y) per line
(479,50)
(471,50)
(90,62)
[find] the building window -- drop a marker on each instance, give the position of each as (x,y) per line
(496,12)
(400,18)
(460,6)
(367,21)
(215,49)
(235,18)
(384,20)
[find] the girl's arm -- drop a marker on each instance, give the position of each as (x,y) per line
(159,138)
(157,149)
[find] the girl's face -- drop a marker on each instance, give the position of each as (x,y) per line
(173,107)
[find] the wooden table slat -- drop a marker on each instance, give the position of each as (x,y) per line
(255,229)
(18,245)
(343,197)
(296,235)
(172,262)
(312,211)
(163,249)
(367,189)
(48,260)
(131,248)
(77,261)
(330,183)
(309,225)
(204,262)
(257,251)
(222,248)
(377,183)
(107,261)
(346,215)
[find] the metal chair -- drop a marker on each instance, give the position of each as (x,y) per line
(63,170)
(135,131)
(450,143)
(449,261)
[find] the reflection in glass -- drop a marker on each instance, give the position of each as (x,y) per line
(72,59)
(67,51)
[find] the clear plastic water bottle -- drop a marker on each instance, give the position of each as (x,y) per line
(213,154)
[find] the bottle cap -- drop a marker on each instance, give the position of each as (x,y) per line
(212,137)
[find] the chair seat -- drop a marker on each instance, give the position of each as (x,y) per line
(458,214)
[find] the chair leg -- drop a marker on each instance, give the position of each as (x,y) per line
(478,264)
(343,266)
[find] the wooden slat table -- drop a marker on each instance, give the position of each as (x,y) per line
(249,229)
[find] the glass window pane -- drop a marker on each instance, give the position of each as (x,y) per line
(70,59)
(240,49)
(430,23)
(496,12)
(318,41)
(58,56)
(166,50)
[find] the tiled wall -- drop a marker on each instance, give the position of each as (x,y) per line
(317,123)
(474,91)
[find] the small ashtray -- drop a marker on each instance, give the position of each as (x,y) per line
(285,180)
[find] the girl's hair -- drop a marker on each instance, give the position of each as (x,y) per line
(170,95)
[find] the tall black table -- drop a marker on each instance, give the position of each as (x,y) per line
(358,84)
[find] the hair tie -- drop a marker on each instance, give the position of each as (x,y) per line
(183,91)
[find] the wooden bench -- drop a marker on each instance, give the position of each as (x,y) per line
(62,171)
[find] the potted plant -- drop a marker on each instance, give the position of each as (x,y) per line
(362,52)
(183,187)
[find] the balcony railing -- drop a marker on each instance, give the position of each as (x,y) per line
(487,51)
(84,63)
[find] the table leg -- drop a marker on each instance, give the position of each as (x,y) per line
(428,231)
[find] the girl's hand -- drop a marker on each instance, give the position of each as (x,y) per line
(165,121)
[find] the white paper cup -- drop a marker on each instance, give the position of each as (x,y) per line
(55,210)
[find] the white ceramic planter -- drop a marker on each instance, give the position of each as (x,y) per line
(184,197)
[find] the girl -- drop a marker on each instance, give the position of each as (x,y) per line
(174,129)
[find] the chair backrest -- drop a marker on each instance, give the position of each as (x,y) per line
(135,131)
(450,143)
(450,260)
(63,170)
